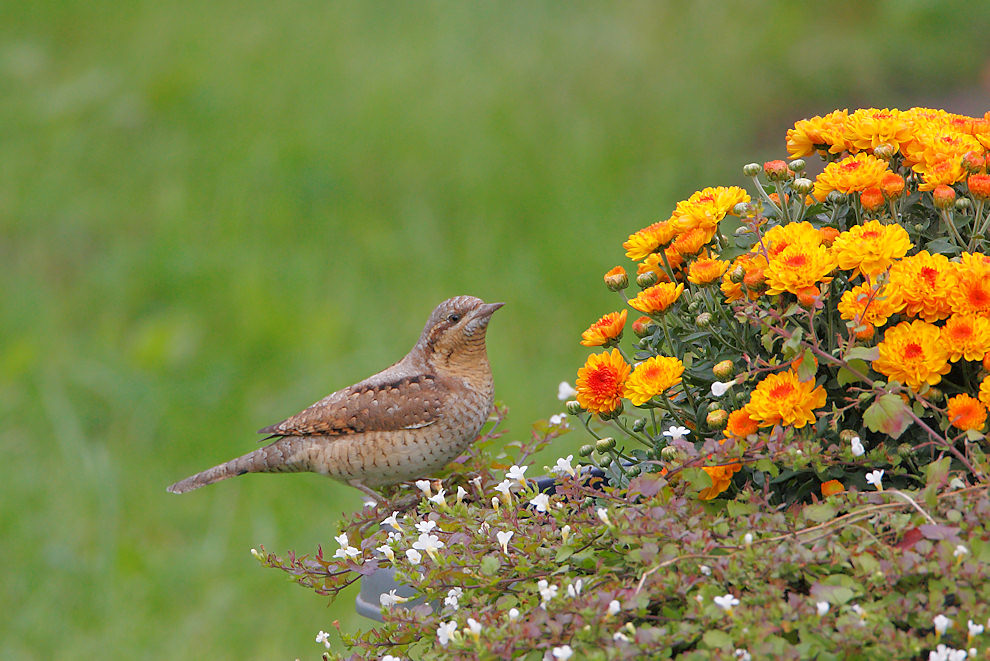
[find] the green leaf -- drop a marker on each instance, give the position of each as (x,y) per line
(490,565)
(767,466)
(846,375)
(717,639)
(808,367)
(937,472)
(697,478)
(888,415)
(862,353)
(819,513)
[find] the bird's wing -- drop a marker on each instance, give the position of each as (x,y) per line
(405,402)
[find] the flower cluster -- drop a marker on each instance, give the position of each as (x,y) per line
(817,297)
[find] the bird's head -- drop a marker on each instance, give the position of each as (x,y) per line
(456,329)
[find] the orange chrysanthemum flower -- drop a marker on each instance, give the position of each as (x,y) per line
(606,330)
(616,278)
(891,185)
(912,352)
(721,479)
(831,488)
(600,383)
(868,128)
(817,134)
(871,198)
(657,298)
(966,335)
(965,413)
(652,377)
(779,237)
(979,186)
(943,172)
(866,305)
(924,282)
(705,270)
(851,174)
(870,248)
(751,264)
(648,239)
(783,399)
(972,291)
(690,242)
(799,267)
(985,391)
(706,208)
(741,424)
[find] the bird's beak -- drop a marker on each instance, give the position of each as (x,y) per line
(486,310)
(481,316)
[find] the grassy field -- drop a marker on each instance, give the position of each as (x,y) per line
(212,214)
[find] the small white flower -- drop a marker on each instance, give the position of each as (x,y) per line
(563,466)
(392,520)
(495,503)
(414,556)
(346,550)
(389,657)
(503,539)
(613,607)
(726,602)
(389,599)
(504,487)
(960,551)
(565,391)
(876,479)
(513,614)
(677,432)
(562,653)
(517,473)
(748,538)
(558,420)
(705,569)
(484,528)
(540,501)
(743,655)
(859,610)
(941,623)
(719,388)
(387,551)
(574,589)
(341,539)
(438,498)
(476,481)
(429,543)
(369,503)
(618,635)
(323,637)
(452,598)
(603,515)
(857,447)
(974,629)
(473,627)
(425,487)
(547,592)
(446,631)
(427,525)
(822,607)
(565,532)
(461,492)
(257,556)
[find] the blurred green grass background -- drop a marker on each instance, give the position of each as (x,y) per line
(212,214)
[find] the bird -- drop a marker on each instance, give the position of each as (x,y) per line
(402,423)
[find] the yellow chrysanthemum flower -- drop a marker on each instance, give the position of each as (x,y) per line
(966,335)
(690,242)
(965,413)
(870,248)
(944,172)
(799,267)
(706,208)
(652,377)
(706,270)
(753,266)
(648,239)
(912,352)
(605,330)
(741,424)
(779,237)
(600,383)
(933,144)
(851,174)
(871,306)
(783,399)
(985,391)
(924,282)
(818,134)
(972,290)
(657,298)
(868,128)
(721,479)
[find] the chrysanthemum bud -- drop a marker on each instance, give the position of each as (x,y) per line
(741,209)
(808,296)
(905,450)
(717,419)
(797,165)
(755,280)
(633,471)
(884,151)
(724,370)
(803,185)
(777,171)
(586,450)
(695,305)
(935,395)
(973,161)
(871,198)
(646,279)
(737,275)
(943,196)
(963,204)
(573,407)
(638,425)
(751,169)
(616,279)
(829,235)
(610,415)
(642,326)
(605,444)
(979,186)
(892,185)
(669,453)
(605,461)
(703,320)
(847,435)
(836,197)
(714,406)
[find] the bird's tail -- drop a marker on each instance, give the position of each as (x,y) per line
(286,455)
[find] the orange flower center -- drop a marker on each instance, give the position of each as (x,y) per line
(603,380)
(929,275)
(979,296)
(781,391)
(797,261)
(913,350)
(851,167)
(871,234)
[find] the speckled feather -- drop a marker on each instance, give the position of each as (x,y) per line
(404,422)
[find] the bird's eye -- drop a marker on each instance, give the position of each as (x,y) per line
(453,317)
